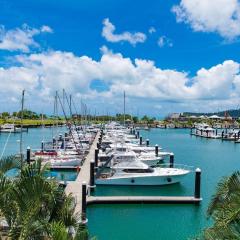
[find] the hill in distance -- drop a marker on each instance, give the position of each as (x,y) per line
(232,112)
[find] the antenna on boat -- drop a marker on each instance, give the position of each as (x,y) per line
(21,136)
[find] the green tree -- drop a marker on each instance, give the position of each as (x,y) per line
(35,207)
(225,210)
(5,114)
(135,119)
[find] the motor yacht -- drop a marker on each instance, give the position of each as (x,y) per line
(139,173)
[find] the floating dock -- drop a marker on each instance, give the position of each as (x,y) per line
(143,199)
(75,188)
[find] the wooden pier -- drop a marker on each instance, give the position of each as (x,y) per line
(143,199)
(75,188)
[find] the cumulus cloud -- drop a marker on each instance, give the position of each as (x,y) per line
(42,74)
(108,33)
(221,16)
(20,39)
(164,41)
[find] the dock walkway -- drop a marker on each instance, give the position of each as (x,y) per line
(143,199)
(75,188)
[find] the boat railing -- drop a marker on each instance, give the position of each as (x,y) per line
(180,166)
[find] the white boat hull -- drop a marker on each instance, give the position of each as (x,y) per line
(61,163)
(142,180)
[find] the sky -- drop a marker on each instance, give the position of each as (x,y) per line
(168,56)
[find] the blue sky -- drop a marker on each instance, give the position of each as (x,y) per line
(187,59)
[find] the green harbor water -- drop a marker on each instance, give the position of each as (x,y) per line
(159,222)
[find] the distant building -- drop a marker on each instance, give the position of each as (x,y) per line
(174,116)
(215,117)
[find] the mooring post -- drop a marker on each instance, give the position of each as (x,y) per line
(222,134)
(147,142)
(92,176)
(60,137)
(96,158)
(28,155)
(156,150)
(171,165)
(84,202)
(238,134)
(98,145)
(138,134)
(54,142)
(42,146)
(133,132)
(197,193)
(216,131)
(140,140)
(207,133)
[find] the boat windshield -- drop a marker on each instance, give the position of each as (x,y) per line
(147,170)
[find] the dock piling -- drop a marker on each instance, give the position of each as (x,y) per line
(171,164)
(28,155)
(42,146)
(197,193)
(96,158)
(92,176)
(140,140)
(147,142)
(156,150)
(84,202)
(138,134)
(133,132)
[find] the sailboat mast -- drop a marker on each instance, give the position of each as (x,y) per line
(124,108)
(21,135)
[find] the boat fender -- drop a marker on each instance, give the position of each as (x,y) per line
(132,180)
(169,179)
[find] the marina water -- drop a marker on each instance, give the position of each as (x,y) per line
(216,159)
(160,221)
(33,139)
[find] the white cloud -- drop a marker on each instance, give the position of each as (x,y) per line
(108,33)
(20,39)
(46,29)
(164,41)
(152,30)
(42,74)
(221,16)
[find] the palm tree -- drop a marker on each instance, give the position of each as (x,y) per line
(225,210)
(35,207)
